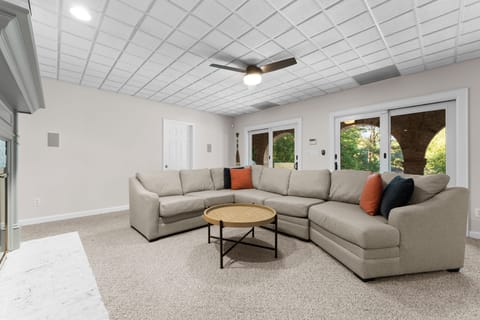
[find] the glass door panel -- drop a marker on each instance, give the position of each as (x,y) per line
(418,142)
(360,144)
(259,148)
(284,149)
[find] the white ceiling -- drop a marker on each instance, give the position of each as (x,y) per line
(161,50)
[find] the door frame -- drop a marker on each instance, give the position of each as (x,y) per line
(460,96)
(291,123)
(192,148)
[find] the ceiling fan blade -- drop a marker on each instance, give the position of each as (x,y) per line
(278,65)
(227,68)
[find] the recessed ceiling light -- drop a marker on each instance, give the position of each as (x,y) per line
(80,13)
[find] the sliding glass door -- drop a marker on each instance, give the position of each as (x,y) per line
(412,140)
(274,147)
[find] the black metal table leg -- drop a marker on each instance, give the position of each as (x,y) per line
(276,236)
(209,232)
(253,232)
(221,244)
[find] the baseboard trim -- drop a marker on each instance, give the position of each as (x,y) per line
(474,234)
(71,215)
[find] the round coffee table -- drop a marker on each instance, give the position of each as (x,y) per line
(240,215)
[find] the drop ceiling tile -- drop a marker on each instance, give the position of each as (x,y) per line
(71,67)
(269,49)
(111,41)
(75,41)
(325,64)
(299,11)
(469,37)
(399,23)
(167,13)
(100,59)
(471,25)
(123,12)
(234,26)
(402,36)
(314,57)
(405,47)
(105,51)
(145,40)
(315,25)
(211,12)
(440,36)
(77,28)
(44,30)
(137,51)
(326,38)
(235,49)
(194,27)
(47,17)
(439,55)
(352,64)
(407,64)
(439,23)
(255,11)
(377,56)
(290,38)
(468,56)
(46,42)
(155,28)
(143,5)
(203,50)
(274,25)
(337,48)
(358,70)
(115,28)
(439,46)
(412,70)
(359,23)
(440,63)
(181,39)
(436,9)
(217,39)
(345,57)
(344,10)
(330,71)
(380,64)
(406,56)
(469,47)
(364,37)
(302,49)
(471,12)
(253,39)
(64,58)
(391,9)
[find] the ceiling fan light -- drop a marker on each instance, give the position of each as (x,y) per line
(252,79)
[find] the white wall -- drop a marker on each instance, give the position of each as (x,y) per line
(315,113)
(104,139)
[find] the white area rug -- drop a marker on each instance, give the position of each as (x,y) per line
(50,278)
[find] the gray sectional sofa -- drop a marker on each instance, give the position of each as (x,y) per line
(321,206)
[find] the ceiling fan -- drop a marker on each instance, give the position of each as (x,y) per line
(253,74)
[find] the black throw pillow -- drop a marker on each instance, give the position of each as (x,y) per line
(396,194)
(227,179)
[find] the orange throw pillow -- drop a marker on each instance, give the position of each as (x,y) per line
(241,178)
(372,194)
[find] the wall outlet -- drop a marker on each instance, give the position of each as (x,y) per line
(36,202)
(476,213)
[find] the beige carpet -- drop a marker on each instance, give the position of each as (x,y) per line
(179,278)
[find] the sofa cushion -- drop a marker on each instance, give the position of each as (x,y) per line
(309,183)
(163,183)
(214,197)
(397,194)
(349,222)
(372,194)
(425,186)
(196,180)
(217,178)
(291,205)
(256,175)
(347,185)
(275,180)
(173,205)
(241,178)
(253,196)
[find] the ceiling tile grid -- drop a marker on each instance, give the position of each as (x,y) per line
(161,50)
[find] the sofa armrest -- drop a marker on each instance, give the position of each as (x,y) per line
(432,233)
(144,209)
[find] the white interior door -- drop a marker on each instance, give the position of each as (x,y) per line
(177,145)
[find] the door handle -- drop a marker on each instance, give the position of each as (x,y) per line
(336,165)
(296,166)
(166,166)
